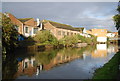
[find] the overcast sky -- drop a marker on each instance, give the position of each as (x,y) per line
(78,14)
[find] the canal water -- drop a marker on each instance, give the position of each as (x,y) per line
(65,63)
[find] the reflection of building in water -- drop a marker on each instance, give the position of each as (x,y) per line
(61,58)
(39,68)
(86,53)
(112,48)
(84,56)
(26,67)
(101,51)
(30,66)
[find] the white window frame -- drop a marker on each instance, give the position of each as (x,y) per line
(27,30)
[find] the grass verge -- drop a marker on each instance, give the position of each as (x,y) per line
(110,70)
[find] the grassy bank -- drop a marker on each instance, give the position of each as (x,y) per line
(110,70)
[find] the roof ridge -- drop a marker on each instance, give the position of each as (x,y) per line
(61,25)
(24,19)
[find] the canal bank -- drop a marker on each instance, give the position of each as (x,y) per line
(110,70)
(65,63)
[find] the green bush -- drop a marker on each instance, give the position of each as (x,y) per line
(87,40)
(45,37)
(73,39)
(69,40)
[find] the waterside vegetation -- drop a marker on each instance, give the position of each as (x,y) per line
(110,70)
(9,36)
(44,38)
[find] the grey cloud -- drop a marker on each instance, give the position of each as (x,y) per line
(87,14)
(60,0)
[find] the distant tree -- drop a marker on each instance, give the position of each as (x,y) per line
(9,35)
(117,20)
(117,17)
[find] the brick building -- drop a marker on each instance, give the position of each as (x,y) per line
(100,33)
(29,27)
(60,30)
(25,26)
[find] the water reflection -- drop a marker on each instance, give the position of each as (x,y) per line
(101,51)
(26,67)
(46,60)
(39,62)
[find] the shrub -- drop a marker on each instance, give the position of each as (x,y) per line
(46,37)
(69,40)
(87,40)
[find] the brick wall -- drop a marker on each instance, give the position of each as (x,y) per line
(30,22)
(55,31)
(99,32)
(15,21)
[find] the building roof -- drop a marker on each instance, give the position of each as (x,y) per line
(63,26)
(24,19)
(109,32)
(79,28)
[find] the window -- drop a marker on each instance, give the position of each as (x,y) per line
(35,30)
(71,33)
(67,33)
(63,33)
(26,29)
(59,32)
(26,65)
(34,63)
(29,61)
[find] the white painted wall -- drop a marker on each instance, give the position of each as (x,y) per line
(111,49)
(85,35)
(27,35)
(101,46)
(84,56)
(110,35)
(84,30)
(101,39)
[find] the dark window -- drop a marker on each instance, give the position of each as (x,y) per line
(71,33)
(35,30)
(29,61)
(34,63)
(26,29)
(63,33)
(59,32)
(67,33)
(26,65)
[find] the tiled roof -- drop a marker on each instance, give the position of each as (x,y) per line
(109,32)
(79,28)
(24,19)
(63,26)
